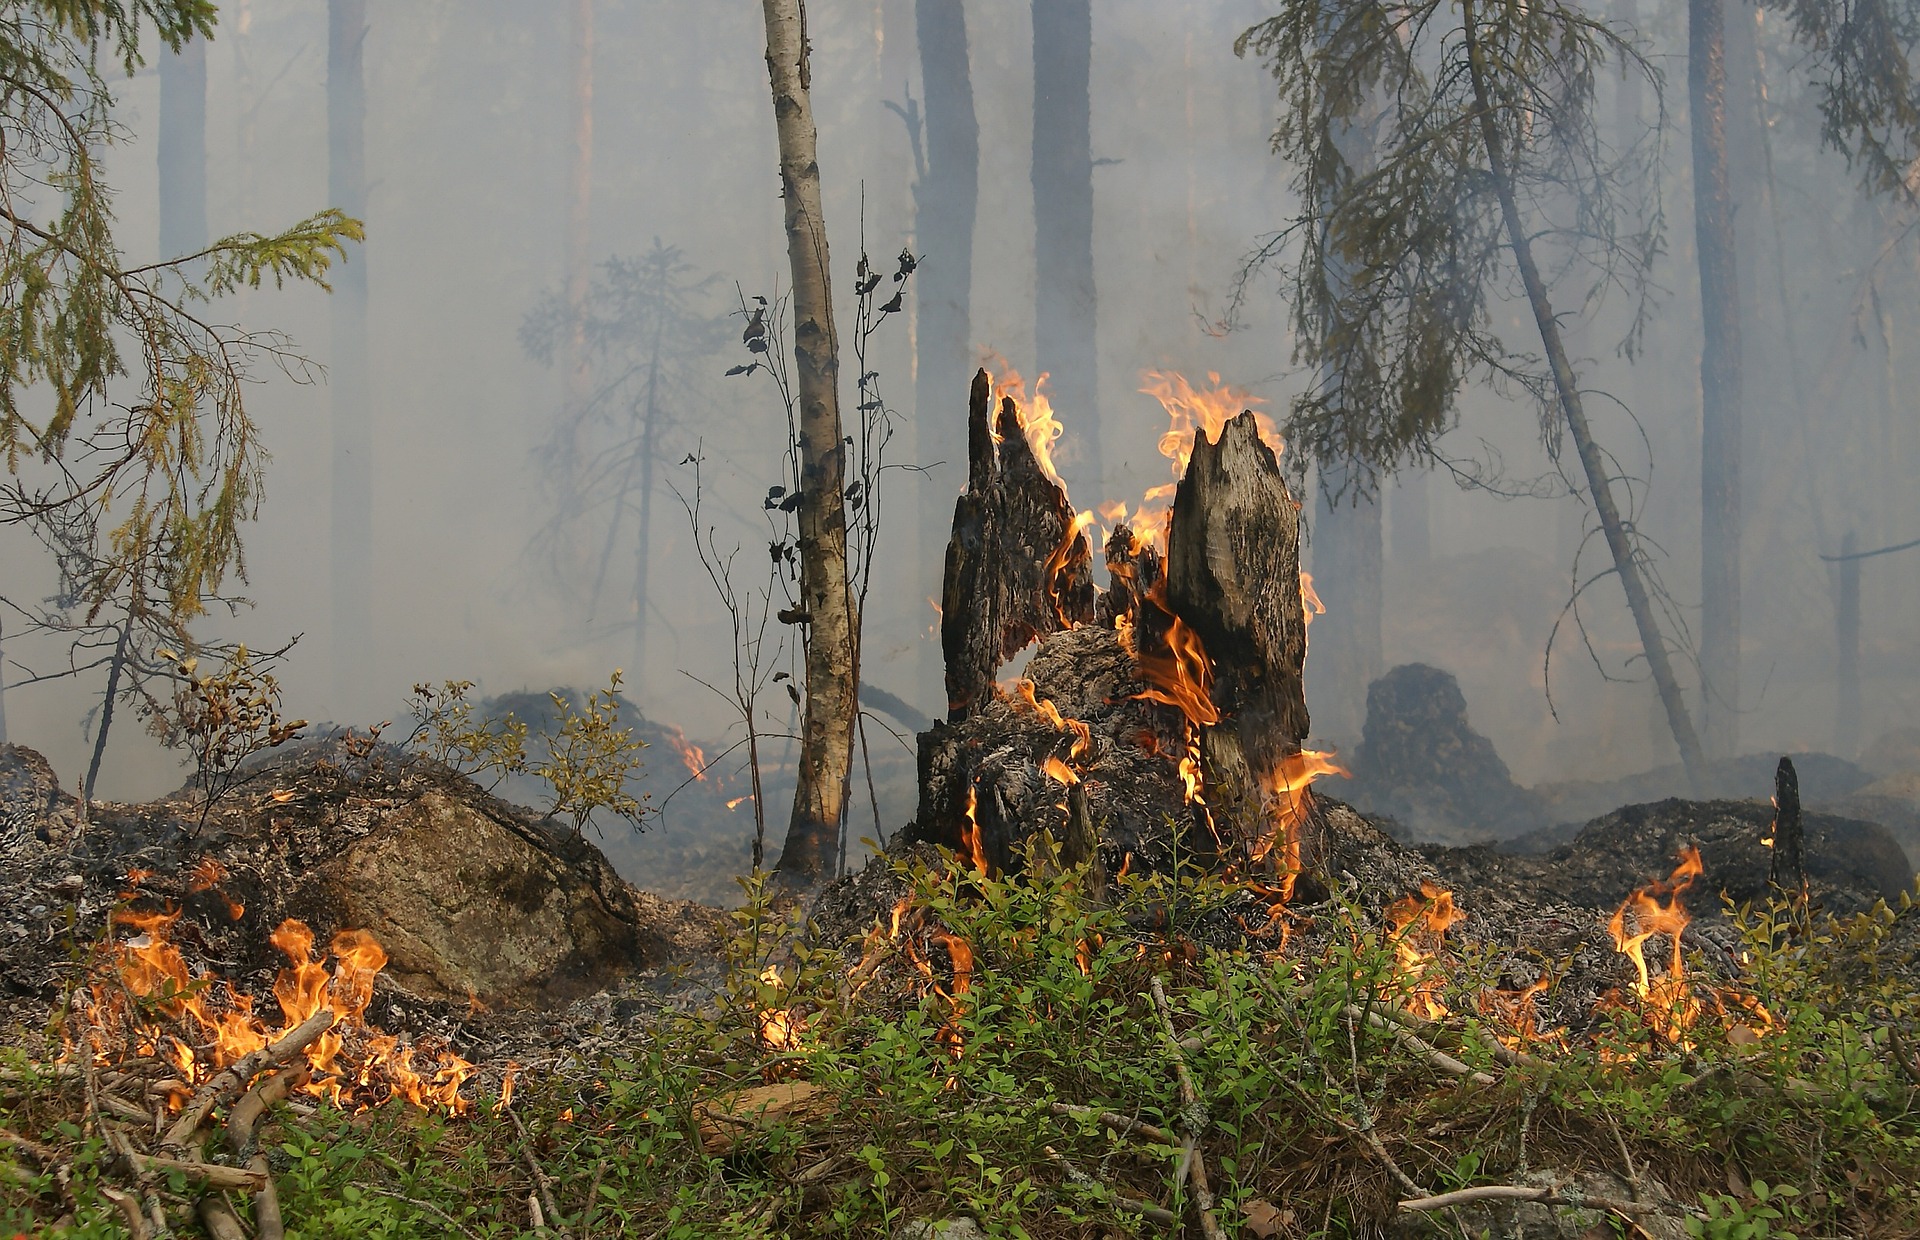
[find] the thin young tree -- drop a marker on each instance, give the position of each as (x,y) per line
(129,451)
(826,603)
(1486,174)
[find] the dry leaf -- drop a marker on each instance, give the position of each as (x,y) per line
(1264,1219)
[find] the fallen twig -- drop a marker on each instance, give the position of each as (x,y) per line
(1420,1047)
(129,1207)
(1193,1119)
(1507,1055)
(540,1182)
(234,1078)
(219,1218)
(1115,1121)
(246,1113)
(213,1175)
(1519,1192)
(1152,1213)
(429,1207)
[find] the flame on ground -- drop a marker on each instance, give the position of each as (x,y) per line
(780,1027)
(1669,1003)
(1182,677)
(1023,691)
(1419,924)
(691,755)
(1288,802)
(970,834)
(353,1063)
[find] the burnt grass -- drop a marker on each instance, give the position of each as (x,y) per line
(935,1070)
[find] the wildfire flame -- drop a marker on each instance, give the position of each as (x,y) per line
(1037,421)
(970,834)
(1310,604)
(353,1063)
(1287,803)
(1044,707)
(1189,409)
(1669,1003)
(780,1027)
(1183,677)
(1418,923)
(691,755)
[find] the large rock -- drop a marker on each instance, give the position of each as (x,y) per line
(469,903)
(1421,764)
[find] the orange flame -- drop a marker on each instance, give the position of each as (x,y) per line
(1310,604)
(970,834)
(691,756)
(1191,409)
(960,952)
(349,1059)
(1287,803)
(1060,772)
(1183,677)
(1669,1003)
(1044,707)
(1037,421)
(1418,923)
(780,1027)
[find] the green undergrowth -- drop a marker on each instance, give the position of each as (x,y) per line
(925,1095)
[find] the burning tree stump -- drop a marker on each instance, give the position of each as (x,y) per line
(1233,578)
(1018,564)
(1165,714)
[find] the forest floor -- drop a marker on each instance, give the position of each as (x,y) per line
(992,1055)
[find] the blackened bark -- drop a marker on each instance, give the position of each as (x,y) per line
(1233,577)
(1064,316)
(1789,870)
(944,206)
(1719,376)
(1016,567)
(353,637)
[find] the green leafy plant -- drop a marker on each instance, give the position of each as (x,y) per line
(446,730)
(1729,1218)
(589,759)
(222,718)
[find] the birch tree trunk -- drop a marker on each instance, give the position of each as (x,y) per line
(826,727)
(183,149)
(1719,377)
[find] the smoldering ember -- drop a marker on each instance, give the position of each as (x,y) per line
(1256,837)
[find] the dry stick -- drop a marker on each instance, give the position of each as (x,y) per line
(267,1222)
(429,1207)
(1115,1121)
(1507,1055)
(1425,1050)
(539,1176)
(593,1198)
(231,1081)
(220,1220)
(1193,1119)
(247,1112)
(212,1175)
(1901,1056)
(1516,1192)
(129,1207)
(1152,1213)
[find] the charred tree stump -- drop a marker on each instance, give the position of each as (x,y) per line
(1017,567)
(1233,577)
(1788,872)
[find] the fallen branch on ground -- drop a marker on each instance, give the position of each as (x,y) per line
(1425,1050)
(1193,1119)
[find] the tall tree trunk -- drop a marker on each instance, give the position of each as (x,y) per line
(1063,332)
(1846,599)
(3,694)
(1566,387)
(826,729)
(945,201)
(183,149)
(1346,650)
(579,379)
(1719,377)
(353,642)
